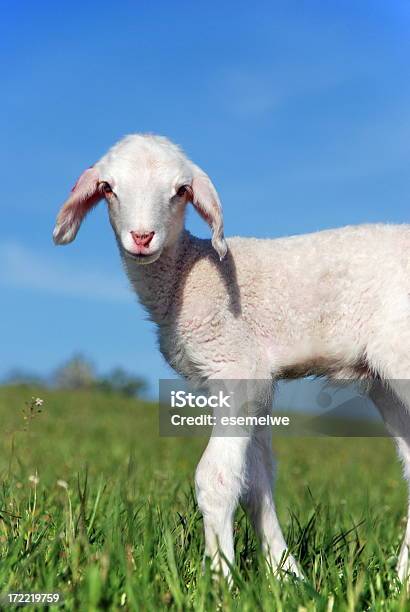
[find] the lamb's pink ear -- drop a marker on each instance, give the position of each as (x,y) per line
(207,203)
(84,195)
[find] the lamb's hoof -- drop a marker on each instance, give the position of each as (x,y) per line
(219,569)
(287,567)
(291,567)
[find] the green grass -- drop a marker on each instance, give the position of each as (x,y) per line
(126,533)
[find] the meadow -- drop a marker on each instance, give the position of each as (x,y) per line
(95,505)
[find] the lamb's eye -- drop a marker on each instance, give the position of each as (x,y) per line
(182,191)
(106,188)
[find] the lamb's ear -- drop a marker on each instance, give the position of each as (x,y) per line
(207,203)
(84,195)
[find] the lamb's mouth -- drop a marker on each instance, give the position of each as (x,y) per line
(143,258)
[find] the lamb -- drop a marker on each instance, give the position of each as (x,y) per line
(333,303)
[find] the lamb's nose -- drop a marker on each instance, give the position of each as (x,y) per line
(142,240)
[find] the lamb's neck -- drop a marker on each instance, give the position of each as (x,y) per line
(156,283)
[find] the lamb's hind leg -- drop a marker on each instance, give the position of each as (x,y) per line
(258,502)
(396,414)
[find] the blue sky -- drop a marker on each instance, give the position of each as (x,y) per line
(300,112)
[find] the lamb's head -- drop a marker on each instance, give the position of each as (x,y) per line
(147,182)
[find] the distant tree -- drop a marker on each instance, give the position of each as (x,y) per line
(79,373)
(76,373)
(121,381)
(23,377)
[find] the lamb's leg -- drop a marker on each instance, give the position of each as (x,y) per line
(396,414)
(219,481)
(259,504)
(221,476)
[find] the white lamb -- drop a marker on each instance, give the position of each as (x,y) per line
(333,303)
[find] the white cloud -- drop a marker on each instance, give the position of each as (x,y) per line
(22,267)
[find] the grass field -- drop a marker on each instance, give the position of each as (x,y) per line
(96,506)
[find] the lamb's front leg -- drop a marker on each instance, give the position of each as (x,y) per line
(219,482)
(221,476)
